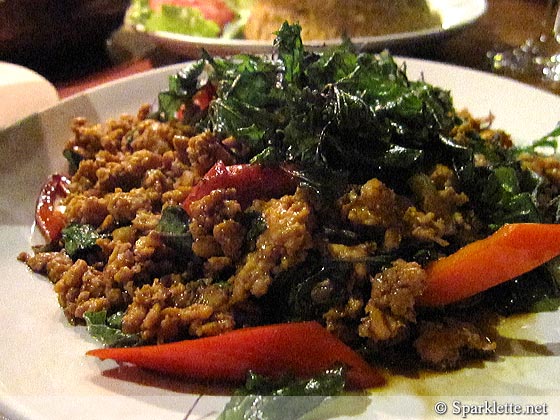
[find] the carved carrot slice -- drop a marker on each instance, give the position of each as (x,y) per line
(302,349)
(511,251)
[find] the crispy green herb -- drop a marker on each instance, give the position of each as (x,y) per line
(339,110)
(108,329)
(536,291)
(79,239)
(506,201)
(339,117)
(173,227)
(291,52)
(182,87)
(549,142)
(266,399)
(73,159)
(504,191)
(255,224)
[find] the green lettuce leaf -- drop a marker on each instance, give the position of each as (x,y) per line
(182,20)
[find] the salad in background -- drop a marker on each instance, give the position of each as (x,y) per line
(206,18)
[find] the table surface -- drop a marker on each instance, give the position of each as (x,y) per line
(506,23)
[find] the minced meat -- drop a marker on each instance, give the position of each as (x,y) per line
(284,243)
(390,308)
(236,257)
(446,344)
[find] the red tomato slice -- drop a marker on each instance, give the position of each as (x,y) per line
(214,10)
(49,219)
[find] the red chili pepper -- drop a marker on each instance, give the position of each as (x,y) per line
(201,99)
(511,251)
(203,96)
(302,349)
(181,112)
(250,182)
(49,219)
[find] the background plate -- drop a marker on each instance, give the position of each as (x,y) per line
(44,373)
(455,14)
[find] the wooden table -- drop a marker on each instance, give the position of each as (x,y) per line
(507,22)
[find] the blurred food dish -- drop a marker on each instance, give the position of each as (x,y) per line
(205,18)
(328,19)
(454,15)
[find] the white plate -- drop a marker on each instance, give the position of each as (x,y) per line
(23,92)
(455,15)
(44,373)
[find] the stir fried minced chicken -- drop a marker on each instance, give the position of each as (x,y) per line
(318,186)
(241,255)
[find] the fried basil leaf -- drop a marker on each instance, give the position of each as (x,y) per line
(79,239)
(173,227)
(73,159)
(345,111)
(263,398)
(108,329)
